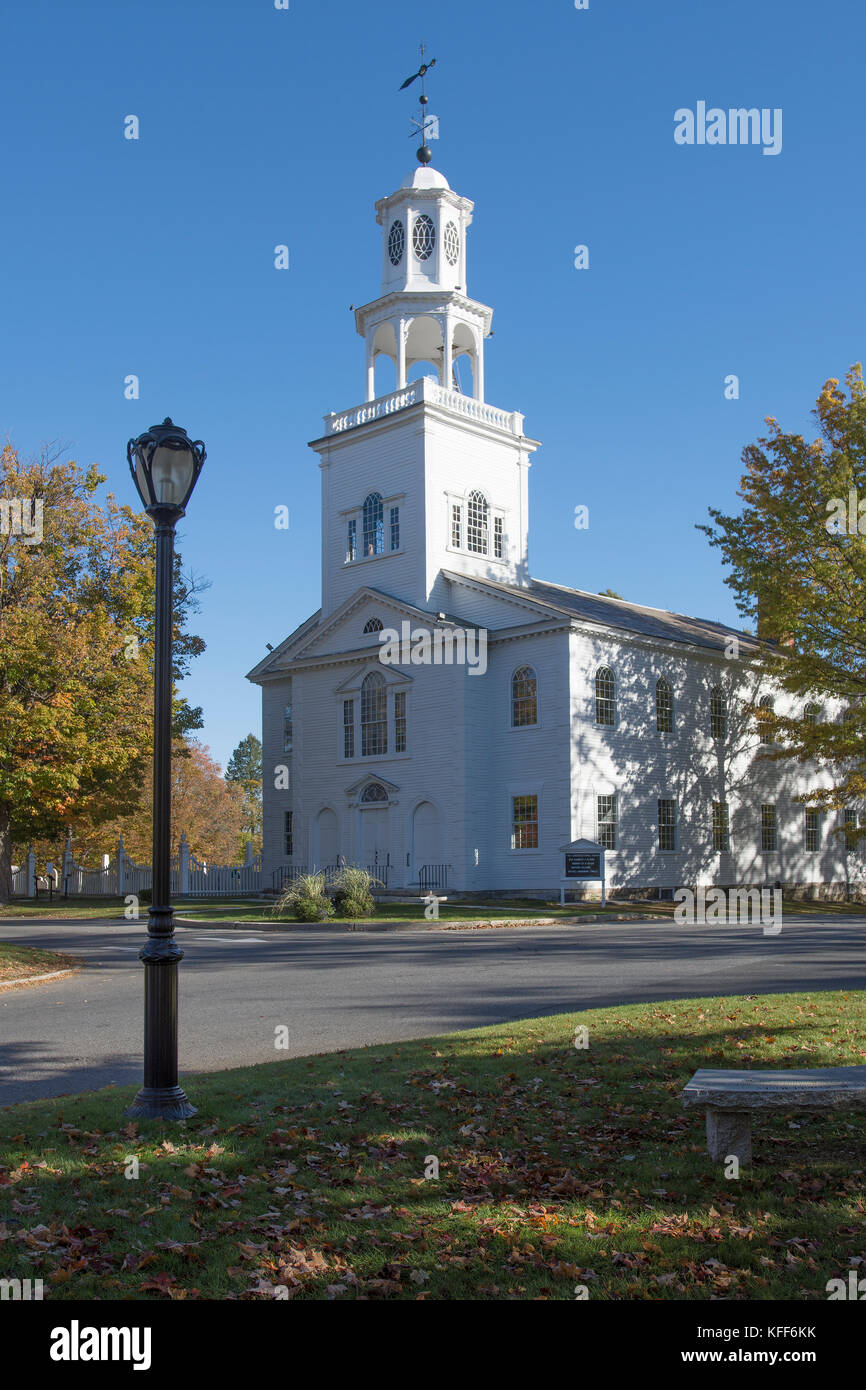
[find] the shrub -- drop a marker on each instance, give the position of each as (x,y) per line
(352,893)
(306,899)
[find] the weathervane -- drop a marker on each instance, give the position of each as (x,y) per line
(426,127)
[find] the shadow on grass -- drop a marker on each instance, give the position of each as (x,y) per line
(560,1168)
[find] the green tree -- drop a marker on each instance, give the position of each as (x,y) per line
(76,630)
(244,768)
(800,574)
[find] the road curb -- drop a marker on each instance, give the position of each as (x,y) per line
(38,979)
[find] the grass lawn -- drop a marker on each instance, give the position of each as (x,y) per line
(18,963)
(558,1167)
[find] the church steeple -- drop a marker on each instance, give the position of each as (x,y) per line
(424,314)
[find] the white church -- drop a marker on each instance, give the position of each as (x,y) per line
(515,715)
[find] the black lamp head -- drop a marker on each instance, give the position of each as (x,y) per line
(165,464)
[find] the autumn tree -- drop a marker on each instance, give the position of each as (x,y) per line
(76,642)
(796,555)
(244,769)
(204,805)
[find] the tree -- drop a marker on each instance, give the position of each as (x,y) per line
(204,805)
(76,643)
(800,574)
(244,769)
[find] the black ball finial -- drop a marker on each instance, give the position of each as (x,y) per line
(425,155)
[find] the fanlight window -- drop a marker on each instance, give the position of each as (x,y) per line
(396,242)
(766,702)
(524,697)
(451,243)
(476,523)
(605,696)
(423,237)
(374,525)
(374,715)
(718,713)
(373,625)
(373,792)
(664,706)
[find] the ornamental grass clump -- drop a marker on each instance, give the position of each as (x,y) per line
(353,895)
(306,899)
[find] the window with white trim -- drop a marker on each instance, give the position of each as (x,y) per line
(351,541)
(456,525)
(348,728)
(721,828)
(373,524)
(812,830)
(477,512)
(718,714)
(606,821)
(605,696)
(524,822)
(664,706)
(288,829)
(374,715)
(400,721)
(667,823)
(769,828)
(395,528)
(524,697)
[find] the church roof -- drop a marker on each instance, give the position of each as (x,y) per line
(617,613)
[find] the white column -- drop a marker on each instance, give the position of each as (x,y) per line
(371,371)
(447,357)
(401,355)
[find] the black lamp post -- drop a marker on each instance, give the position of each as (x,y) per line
(165,464)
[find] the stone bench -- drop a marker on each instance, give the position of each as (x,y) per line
(731,1097)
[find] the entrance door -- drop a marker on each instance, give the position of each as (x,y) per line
(374,837)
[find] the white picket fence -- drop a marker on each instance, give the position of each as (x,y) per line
(121,876)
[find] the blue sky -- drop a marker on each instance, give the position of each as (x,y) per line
(259,127)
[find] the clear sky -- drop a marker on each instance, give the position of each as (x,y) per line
(261,126)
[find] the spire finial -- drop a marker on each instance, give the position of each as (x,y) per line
(424,152)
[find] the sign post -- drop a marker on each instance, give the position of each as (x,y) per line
(584,862)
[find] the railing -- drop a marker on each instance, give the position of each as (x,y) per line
(19,882)
(289,872)
(432,877)
(427,388)
(222,880)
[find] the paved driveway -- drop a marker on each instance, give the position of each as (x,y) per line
(348,989)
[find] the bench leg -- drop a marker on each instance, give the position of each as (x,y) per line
(729,1132)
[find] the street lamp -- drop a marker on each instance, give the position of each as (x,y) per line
(165,464)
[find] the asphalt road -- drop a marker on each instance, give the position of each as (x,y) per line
(336,990)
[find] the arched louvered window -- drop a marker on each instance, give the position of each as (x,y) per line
(812,713)
(374,525)
(605,696)
(373,625)
(374,715)
(373,792)
(477,512)
(664,706)
(765,728)
(524,697)
(718,713)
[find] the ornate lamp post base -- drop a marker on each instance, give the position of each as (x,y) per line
(161,1103)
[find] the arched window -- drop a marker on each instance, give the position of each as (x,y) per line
(664,706)
(811,713)
(476,523)
(605,696)
(524,697)
(718,713)
(373,625)
(374,525)
(374,715)
(373,792)
(766,729)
